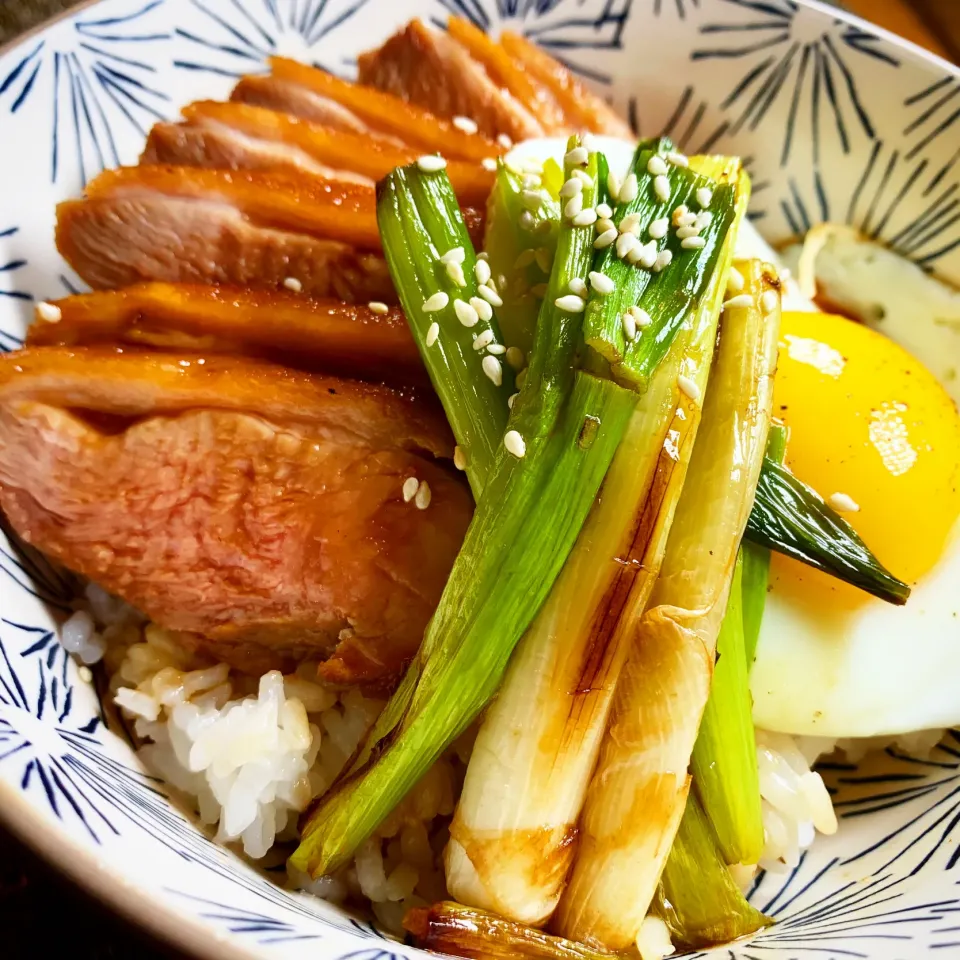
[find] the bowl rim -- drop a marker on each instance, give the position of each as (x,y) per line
(81,867)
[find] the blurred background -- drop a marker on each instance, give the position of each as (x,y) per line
(27,886)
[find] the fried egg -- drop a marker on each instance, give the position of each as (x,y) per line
(874,432)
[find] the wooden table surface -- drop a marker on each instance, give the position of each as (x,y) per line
(86,930)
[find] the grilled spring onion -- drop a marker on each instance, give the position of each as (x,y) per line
(697,897)
(420,222)
(792,518)
(450,928)
(533,506)
(521,242)
(756,564)
(633,360)
(724,762)
(511,838)
(637,796)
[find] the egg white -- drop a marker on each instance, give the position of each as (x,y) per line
(879,670)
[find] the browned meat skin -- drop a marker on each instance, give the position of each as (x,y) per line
(123,383)
(327,335)
(582,108)
(282,95)
(192,144)
(266,540)
(211,226)
(429,68)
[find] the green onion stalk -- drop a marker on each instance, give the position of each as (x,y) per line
(637,797)
(521,244)
(697,897)
(561,436)
(514,831)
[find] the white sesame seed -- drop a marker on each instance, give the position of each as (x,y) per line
(625,243)
(292,283)
(455,273)
(487,291)
(539,290)
(605,239)
(571,303)
(664,259)
(585,218)
(688,386)
(704,196)
(544,258)
(410,487)
(489,163)
(686,219)
(769,302)
(584,178)
(433,331)
(601,283)
(693,243)
(648,255)
(431,163)
(483,340)
(456,255)
(629,326)
(514,443)
(504,141)
(501,281)
(465,313)
(576,157)
(684,232)
(571,188)
(49,312)
(526,220)
(573,206)
(511,400)
(532,181)
(735,281)
(521,378)
(515,357)
(656,166)
(604,211)
(631,224)
(740,300)
(661,187)
(497,349)
(493,370)
(629,190)
(604,224)
(435,302)
(578,287)
(422,499)
(85,673)
(658,229)
(484,310)
(678,159)
(641,316)
(843,503)
(459,458)
(481,271)
(613,185)
(678,213)
(376,306)
(532,199)
(465,124)
(703,220)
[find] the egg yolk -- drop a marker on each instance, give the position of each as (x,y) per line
(867,420)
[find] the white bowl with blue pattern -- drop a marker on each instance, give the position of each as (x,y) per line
(837,120)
